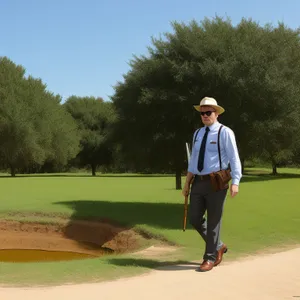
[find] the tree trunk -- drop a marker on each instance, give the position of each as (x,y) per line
(93,169)
(12,171)
(274,168)
(178,180)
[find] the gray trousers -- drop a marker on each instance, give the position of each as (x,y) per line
(204,199)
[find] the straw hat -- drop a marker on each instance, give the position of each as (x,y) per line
(208,101)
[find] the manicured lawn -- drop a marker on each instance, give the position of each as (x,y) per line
(264,216)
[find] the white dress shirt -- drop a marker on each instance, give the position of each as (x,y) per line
(229,152)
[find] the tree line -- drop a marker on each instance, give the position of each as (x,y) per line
(251,70)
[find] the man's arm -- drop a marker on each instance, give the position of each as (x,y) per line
(188,180)
(190,175)
(234,160)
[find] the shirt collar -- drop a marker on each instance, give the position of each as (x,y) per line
(213,126)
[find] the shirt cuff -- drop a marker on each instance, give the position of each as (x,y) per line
(235,181)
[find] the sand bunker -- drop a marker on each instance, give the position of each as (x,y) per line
(94,238)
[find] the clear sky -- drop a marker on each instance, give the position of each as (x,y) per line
(82,47)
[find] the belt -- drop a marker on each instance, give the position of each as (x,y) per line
(202,177)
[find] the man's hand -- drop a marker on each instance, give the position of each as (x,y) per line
(186,190)
(234,189)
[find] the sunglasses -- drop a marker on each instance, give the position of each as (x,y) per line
(208,113)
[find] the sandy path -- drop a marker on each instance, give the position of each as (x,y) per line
(270,277)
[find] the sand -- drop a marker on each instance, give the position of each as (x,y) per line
(264,277)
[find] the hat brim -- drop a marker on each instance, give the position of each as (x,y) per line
(219,109)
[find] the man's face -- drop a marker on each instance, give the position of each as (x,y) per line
(210,117)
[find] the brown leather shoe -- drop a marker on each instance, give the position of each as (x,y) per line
(222,250)
(206,266)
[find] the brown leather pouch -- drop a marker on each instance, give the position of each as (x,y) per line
(220,180)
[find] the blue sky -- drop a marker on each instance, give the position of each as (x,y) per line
(82,47)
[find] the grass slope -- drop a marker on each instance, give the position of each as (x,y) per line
(263,216)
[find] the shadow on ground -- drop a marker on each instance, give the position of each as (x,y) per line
(250,177)
(117,220)
(154,214)
(153,264)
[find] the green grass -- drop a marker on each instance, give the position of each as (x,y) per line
(264,216)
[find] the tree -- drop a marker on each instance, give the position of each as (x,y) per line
(152,125)
(275,117)
(94,118)
(250,70)
(33,125)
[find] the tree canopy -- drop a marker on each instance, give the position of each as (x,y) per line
(252,71)
(34,127)
(94,118)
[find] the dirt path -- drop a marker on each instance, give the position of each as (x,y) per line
(269,277)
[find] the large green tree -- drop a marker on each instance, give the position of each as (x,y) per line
(252,71)
(95,119)
(153,123)
(273,85)
(34,127)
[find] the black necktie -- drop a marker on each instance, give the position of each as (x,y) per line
(202,151)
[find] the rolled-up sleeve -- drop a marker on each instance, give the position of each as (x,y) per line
(233,156)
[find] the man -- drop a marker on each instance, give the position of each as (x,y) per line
(203,161)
